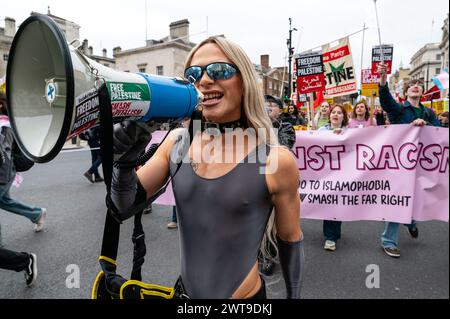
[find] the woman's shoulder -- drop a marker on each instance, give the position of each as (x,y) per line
(177,143)
(281,159)
(178,134)
(281,170)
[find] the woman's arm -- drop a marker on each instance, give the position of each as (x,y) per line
(387,102)
(283,187)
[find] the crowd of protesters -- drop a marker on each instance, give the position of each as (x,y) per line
(335,117)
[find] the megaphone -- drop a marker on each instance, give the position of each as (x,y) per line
(52,91)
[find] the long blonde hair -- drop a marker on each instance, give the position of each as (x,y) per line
(253,98)
(253,106)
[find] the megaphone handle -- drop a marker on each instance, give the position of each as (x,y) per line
(142,129)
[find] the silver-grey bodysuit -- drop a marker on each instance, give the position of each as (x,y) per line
(221,222)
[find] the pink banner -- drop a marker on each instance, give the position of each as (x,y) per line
(395,173)
(167,198)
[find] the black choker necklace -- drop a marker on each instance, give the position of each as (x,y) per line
(225,127)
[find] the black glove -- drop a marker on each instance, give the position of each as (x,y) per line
(292,260)
(130,139)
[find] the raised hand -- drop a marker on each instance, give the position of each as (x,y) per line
(382,71)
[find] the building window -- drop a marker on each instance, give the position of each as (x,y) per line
(160,70)
(5,57)
(142,67)
(438,71)
(438,57)
(270,85)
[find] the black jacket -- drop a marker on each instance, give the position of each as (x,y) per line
(286,133)
(7,170)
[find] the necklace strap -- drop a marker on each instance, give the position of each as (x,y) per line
(222,127)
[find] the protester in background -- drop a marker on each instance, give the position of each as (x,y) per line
(338,121)
(293,116)
(35,214)
(274,107)
(443,118)
(322,118)
(411,112)
(174,223)
(221,219)
(92,136)
(380,116)
(286,132)
(361,116)
(303,115)
(19,261)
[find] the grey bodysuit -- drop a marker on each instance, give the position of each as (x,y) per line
(221,222)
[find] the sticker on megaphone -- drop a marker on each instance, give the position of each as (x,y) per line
(130,101)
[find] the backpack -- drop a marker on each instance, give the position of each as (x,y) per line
(21,162)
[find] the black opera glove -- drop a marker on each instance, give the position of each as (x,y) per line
(292,260)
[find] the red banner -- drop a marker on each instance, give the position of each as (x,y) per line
(384,53)
(310,73)
(336,54)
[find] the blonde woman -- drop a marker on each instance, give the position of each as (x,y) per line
(322,117)
(224,207)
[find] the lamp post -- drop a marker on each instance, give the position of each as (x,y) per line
(290,52)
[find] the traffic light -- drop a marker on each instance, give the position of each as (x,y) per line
(286,96)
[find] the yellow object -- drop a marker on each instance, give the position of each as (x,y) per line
(135,290)
(369,89)
(300,128)
(149,290)
(438,106)
(99,277)
(3,85)
(111,261)
(348,107)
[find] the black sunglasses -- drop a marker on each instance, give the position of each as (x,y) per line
(216,71)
